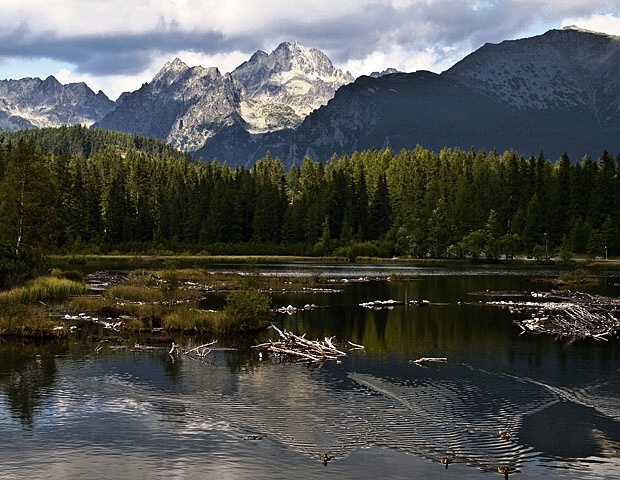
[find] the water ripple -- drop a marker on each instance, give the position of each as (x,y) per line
(457,414)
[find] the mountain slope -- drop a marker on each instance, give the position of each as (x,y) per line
(183,106)
(569,69)
(36,103)
(405,110)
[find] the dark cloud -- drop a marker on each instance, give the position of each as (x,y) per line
(348,32)
(110,54)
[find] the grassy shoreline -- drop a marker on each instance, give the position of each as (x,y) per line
(143,300)
(163,293)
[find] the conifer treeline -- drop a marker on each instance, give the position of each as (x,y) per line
(77,190)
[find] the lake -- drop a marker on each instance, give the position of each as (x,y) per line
(79,409)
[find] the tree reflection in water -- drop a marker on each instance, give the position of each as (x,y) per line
(27,372)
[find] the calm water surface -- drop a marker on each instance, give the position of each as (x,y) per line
(68,411)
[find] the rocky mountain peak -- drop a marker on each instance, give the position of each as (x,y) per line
(281,88)
(170,71)
(295,57)
(51,81)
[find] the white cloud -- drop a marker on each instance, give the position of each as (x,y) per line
(605,23)
(225,61)
(114,85)
(435,60)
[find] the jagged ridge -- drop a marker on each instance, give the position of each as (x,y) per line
(188,106)
(36,103)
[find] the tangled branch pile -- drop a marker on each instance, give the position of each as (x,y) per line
(566,314)
(296,349)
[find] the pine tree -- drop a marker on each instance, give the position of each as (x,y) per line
(380,211)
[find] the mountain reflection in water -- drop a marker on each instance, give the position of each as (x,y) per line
(67,411)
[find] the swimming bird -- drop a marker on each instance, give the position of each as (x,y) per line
(325,458)
(504,470)
(504,434)
(446,461)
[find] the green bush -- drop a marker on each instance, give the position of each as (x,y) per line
(248,310)
(15,270)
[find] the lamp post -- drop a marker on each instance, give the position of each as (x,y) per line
(546,249)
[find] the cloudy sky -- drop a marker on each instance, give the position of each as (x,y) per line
(116,45)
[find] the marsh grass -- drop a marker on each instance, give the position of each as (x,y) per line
(191,319)
(48,290)
(24,310)
(27,321)
(87,303)
(576,276)
(166,298)
(135,293)
(188,274)
(144,310)
(142,278)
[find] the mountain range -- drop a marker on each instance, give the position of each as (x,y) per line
(555,93)
(186,107)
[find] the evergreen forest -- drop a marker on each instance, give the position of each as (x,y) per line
(74,190)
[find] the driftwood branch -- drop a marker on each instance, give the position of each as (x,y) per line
(566,314)
(295,348)
(355,346)
(422,361)
(199,352)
